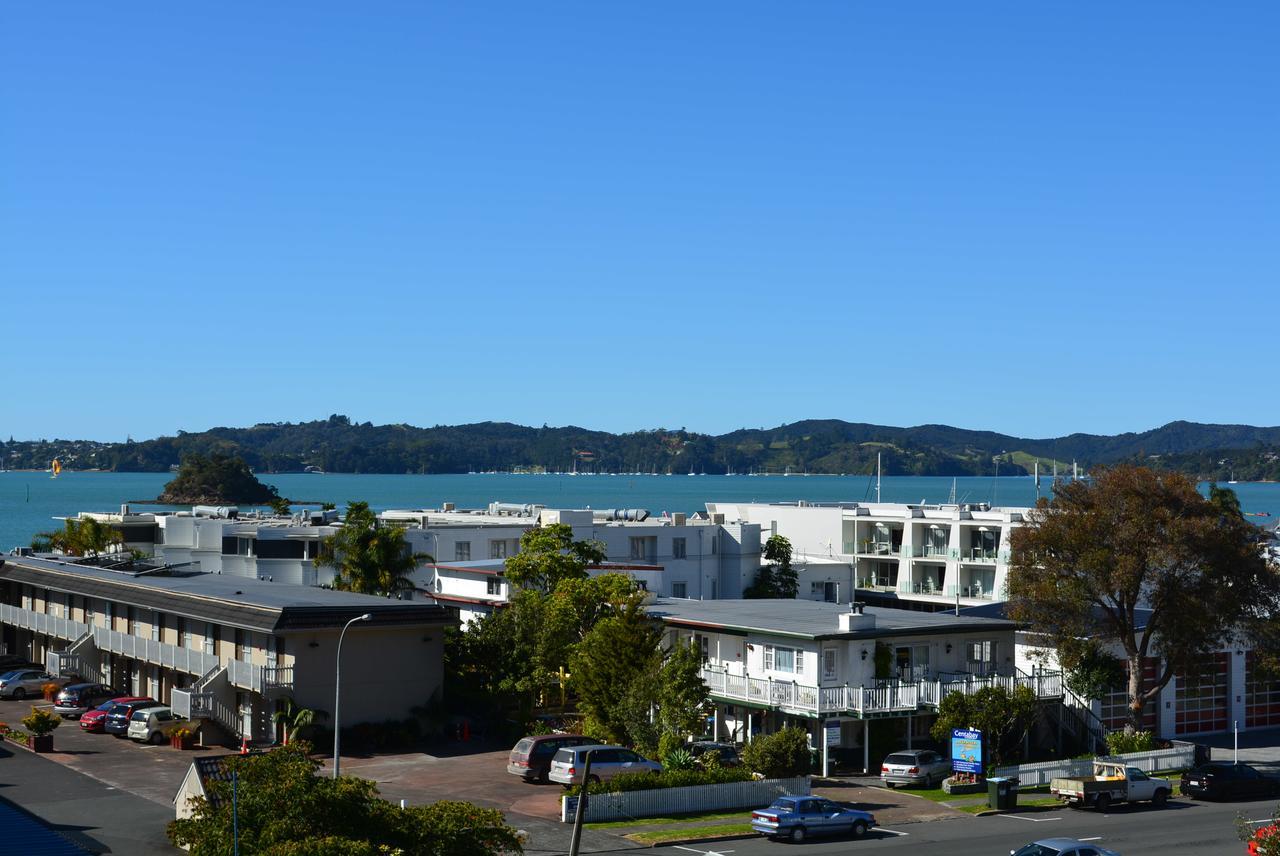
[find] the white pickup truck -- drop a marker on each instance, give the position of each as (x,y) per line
(1111,782)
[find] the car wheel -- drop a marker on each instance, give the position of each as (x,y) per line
(1103,802)
(19,694)
(889,785)
(859,829)
(797,835)
(156,739)
(1160,798)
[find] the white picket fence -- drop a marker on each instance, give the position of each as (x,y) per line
(660,802)
(1180,756)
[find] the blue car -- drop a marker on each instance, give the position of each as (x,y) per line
(797,818)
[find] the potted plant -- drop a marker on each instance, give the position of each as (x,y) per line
(41,724)
(50,691)
(183,738)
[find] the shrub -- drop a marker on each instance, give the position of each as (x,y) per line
(668,743)
(679,759)
(41,722)
(779,755)
(1122,743)
(17,735)
(668,779)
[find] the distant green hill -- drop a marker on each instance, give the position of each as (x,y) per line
(337,444)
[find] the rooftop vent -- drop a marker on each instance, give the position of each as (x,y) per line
(856,619)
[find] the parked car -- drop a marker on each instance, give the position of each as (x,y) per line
(530,759)
(1111,783)
(74,700)
(727,753)
(117,721)
(21,683)
(155,724)
(922,768)
(95,719)
(606,762)
(1222,781)
(1062,847)
(797,818)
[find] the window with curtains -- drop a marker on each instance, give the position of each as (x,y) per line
(777,659)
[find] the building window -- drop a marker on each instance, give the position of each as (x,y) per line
(88,611)
(462,551)
(210,638)
(639,549)
(678,548)
(157,626)
(980,657)
(703,644)
(1200,700)
(131,621)
(498,548)
(180,624)
(244,646)
(1261,694)
(790,660)
(493,586)
(679,589)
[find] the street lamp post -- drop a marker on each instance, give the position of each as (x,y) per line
(337,691)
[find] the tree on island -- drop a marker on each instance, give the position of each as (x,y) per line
(217,478)
(1141,560)
(776,579)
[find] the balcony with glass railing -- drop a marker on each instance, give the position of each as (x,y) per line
(885,697)
(979,556)
(877,548)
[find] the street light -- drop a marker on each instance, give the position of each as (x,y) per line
(337,690)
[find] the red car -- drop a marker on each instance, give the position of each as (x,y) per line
(93,720)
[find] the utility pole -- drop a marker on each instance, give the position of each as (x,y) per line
(581,811)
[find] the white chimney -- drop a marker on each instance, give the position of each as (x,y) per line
(856,619)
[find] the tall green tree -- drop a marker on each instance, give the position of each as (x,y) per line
(619,652)
(684,700)
(283,808)
(1142,560)
(776,579)
(549,555)
(369,557)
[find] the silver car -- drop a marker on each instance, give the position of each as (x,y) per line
(569,763)
(21,683)
(921,768)
(1062,847)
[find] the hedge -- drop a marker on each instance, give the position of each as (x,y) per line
(669,779)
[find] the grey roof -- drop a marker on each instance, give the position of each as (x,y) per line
(810,619)
(999,609)
(222,598)
(26,833)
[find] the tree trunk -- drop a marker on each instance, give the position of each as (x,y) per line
(1136,700)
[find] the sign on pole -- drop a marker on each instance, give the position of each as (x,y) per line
(832,729)
(966,750)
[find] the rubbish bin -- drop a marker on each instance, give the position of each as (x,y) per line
(1002,793)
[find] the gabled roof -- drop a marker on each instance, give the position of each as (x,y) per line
(210,768)
(809,619)
(228,599)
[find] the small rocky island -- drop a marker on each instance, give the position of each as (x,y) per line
(217,479)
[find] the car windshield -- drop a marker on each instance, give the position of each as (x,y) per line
(106,706)
(1038,850)
(140,715)
(10,675)
(523,747)
(786,804)
(901,759)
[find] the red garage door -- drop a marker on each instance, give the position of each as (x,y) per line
(1201,697)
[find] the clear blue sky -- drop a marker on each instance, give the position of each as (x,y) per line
(1036,218)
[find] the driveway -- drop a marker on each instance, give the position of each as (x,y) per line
(153,772)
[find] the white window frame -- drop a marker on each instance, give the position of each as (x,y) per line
(795,655)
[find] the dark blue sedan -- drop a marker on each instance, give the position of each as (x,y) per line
(797,818)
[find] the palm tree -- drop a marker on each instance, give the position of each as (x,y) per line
(369,558)
(84,536)
(295,718)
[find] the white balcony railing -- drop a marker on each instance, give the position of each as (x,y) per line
(49,625)
(885,697)
(152,651)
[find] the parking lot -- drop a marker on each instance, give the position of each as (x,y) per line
(154,772)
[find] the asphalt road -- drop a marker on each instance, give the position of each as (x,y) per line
(99,817)
(1184,828)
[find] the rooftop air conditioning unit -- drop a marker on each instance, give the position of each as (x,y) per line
(678,519)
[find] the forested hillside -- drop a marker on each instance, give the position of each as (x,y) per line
(337,444)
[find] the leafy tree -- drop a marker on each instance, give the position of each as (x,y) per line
(285,809)
(683,697)
(216,478)
(549,555)
(776,579)
(280,506)
(295,719)
(1089,670)
(618,653)
(79,536)
(1141,559)
(780,755)
(1002,716)
(368,557)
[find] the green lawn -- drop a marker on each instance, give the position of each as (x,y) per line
(664,835)
(662,821)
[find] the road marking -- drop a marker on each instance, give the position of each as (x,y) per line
(1029,819)
(891,831)
(702,852)
(1264,820)
(1094,838)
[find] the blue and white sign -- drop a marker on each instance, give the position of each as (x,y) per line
(966,750)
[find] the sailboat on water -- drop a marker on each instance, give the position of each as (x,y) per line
(55,469)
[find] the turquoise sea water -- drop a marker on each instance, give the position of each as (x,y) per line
(29,501)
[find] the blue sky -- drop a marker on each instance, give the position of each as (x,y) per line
(1036,218)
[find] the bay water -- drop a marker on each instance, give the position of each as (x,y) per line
(29,501)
